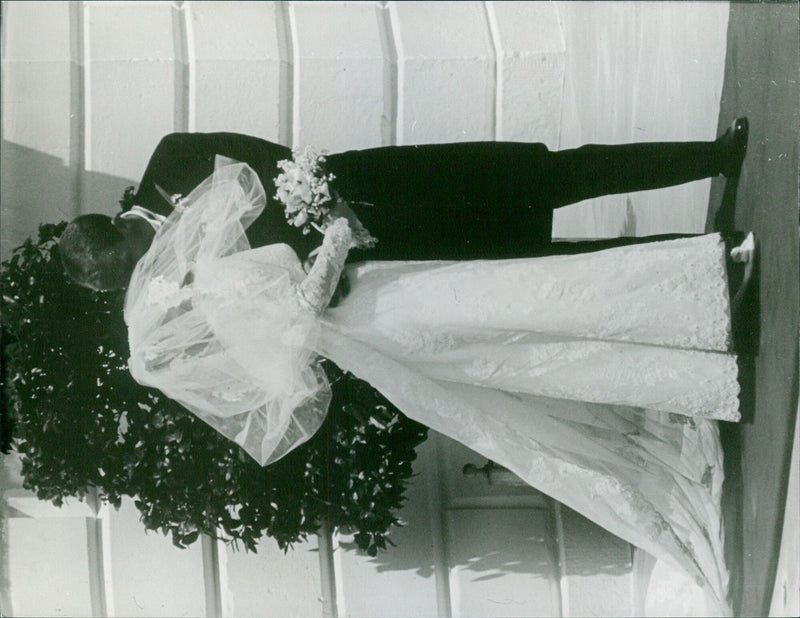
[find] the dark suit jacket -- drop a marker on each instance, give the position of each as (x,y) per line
(443,201)
(181,161)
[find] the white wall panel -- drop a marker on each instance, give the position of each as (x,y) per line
(40,31)
(501,564)
(38,131)
(402,580)
(635,72)
(688,94)
(273,583)
(37,100)
(241,72)
(132,93)
(532,65)
(598,568)
(150,576)
(38,184)
(48,566)
(597,106)
(340,89)
(446,84)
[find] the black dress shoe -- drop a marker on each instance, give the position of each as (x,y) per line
(734,144)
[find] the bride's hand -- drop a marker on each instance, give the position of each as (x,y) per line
(341,291)
(337,232)
(342,287)
(340,227)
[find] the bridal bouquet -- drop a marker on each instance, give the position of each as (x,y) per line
(304,191)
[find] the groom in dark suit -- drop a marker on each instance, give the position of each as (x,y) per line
(442,201)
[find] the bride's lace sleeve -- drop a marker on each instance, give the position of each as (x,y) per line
(315,291)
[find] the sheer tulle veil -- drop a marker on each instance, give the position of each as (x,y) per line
(258,386)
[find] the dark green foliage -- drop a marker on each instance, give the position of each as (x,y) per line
(79,420)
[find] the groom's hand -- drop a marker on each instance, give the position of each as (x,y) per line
(341,291)
(342,209)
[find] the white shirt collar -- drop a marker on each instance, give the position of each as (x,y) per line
(154,219)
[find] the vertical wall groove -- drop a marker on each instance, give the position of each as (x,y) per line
(562,114)
(77,112)
(190,69)
(296,76)
(94,555)
(3,45)
(563,582)
(338,576)
(181,108)
(390,84)
(400,72)
(327,571)
(497,45)
(105,552)
(434,476)
(211,576)
(286,75)
(5,563)
(98,539)
(85,90)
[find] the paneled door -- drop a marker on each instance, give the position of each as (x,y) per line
(512,551)
(500,539)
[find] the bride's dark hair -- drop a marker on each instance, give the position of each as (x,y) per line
(84,240)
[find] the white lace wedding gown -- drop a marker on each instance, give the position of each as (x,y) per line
(595,378)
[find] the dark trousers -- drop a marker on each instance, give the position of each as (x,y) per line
(496,199)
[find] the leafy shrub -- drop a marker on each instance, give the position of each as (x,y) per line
(80,421)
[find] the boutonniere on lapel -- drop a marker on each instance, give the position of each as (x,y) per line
(304,191)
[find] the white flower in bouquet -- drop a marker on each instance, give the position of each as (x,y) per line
(303,190)
(300,219)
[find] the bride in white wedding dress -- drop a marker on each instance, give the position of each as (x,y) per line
(597,378)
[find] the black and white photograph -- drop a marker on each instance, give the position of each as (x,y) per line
(399,309)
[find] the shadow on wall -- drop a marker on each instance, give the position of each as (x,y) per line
(589,550)
(41,188)
(9,479)
(492,564)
